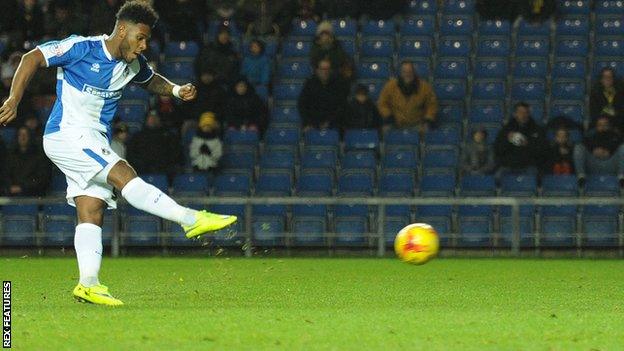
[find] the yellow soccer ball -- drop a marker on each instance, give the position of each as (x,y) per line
(417,243)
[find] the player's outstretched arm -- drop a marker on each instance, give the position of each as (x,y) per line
(162,86)
(29,64)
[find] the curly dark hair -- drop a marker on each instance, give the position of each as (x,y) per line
(137,11)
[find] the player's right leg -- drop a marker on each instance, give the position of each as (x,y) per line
(152,200)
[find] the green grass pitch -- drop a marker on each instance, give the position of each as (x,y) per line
(324,304)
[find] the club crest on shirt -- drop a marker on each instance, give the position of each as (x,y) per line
(95,67)
(56,49)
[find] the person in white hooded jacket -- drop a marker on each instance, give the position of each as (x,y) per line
(206,148)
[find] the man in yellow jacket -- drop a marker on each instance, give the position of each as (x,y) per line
(409,100)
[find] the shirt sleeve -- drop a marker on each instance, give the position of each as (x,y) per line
(64,52)
(145,71)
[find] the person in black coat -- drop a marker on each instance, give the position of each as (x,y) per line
(154,149)
(244,109)
(601,153)
(28,171)
(520,146)
(607,98)
(362,112)
(323,100)
(220,56)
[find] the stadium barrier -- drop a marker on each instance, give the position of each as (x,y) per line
(515,203)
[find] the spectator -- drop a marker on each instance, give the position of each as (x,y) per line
(31,122)
(607,98)
(382,9)
(520,145)
(257,66)
(62,20)
(323,99)
(537,10)
(304,10)
(326,46)
(102,17)
(560,154)
(29,21)
(220,56)
(153,149)
(120,138)
(28,171)
(478,156)
(362,112)
(601,153)
(245,109)
(408,100)
(182,18)
(210,95)
(206,148)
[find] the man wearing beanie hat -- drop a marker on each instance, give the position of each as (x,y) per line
(326,46)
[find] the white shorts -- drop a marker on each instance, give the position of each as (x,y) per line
(85,157)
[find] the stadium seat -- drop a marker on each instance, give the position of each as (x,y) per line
(609,47)
(349,46)
(274,184)
(609,7)
(428,7)
(569,68)
(438,216)
(558,227)
(609,25)
(418,26)
(361,139)
(287,91)
(572,26)
(475,224)
(323,138)
(319,184)
(374,87)
(451,68)
(415,47)
(527,226)
(573,7)
(232,185)
(190,184)
(442,137)
(571,47)
(572,110)
(294,70)
(454,46)
(518,185)
(374,70)
(486,112)
(344,27)
(282,137)
(285,114)
(600,225)
(488,89)
(494,28)
(268,230)
(614,63)
(461,7)
(532,47)
(242,138)
(302,28)
(457,25)
(451,112)
(602,185)
(530,68)
(536,28)
(141,230)
(179,71)
(181,50)
(402,139)
(528,89)
(359,161)
(438,185)
(351,230)
(559,185)
(239,161)
(392,225)
(440,161)
(355,183)
(477,185)
(135,92)
(19,224)
(491,68)
(158,180)
(447,89)
(378,28)
(377,48)
(278,159)
(319,159)
(309,230)
(422,66)
(493,47)
(393,184)
(403,161)
(568,89)
(296,48)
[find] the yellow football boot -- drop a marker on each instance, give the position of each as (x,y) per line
(97,294)
(208,222)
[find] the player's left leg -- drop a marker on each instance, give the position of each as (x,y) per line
(150,199)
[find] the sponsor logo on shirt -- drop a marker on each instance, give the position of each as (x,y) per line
(95,67)
(103,93)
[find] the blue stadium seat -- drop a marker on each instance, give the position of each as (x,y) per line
(274,184)
(135,92)
(438,185)
(8,135)
(158,180)
(59,222)
(310,221)
(359,161)
(188,184)
(454,46)
(132,113)
(374,87)
(602,185)
(600,63)
(418,26)
(181,50)
(179,71)
(573,7)
(568,89)
(270,47)
(377,48)
(319,159)
(285,114)
(244,138)
(296,48)
(315,183)
(609,25)
(324,138)
(374,70)
(309,230)
(494,27)
(532,47)
(302,28)
(528,89)
(355,183)
(441,161)
(282,137)
(239,161)
(458,25)
(451,68)
(491,68)
(361,139)
(428,7)
(447,89)
(600,231)
(351,221)
(289,70)
(573,110)
(493,47)
(558,226)
(232,185)
(351,230)
(609,7)
(268,230)
(378,28)
(475,224)
(477,185)
(349,46)
(442,137)
(530,68)
(415,47)
(421,65)
(19,224)
(571,47)
(488,89)
(344,27)
(460,7)
(400,161)
(402,139)
(287,91)
(537,28)
(569,68)
(559,185)
(451,112)
(487,112)
(609,47)
(392,225)
(278,159)
(438,217)
(527,225)
(141,230)
(518,185)
(397,184)
(573,26)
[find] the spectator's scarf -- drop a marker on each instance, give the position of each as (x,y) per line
(409,89)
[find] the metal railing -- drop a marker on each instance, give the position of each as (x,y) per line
(380,202)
